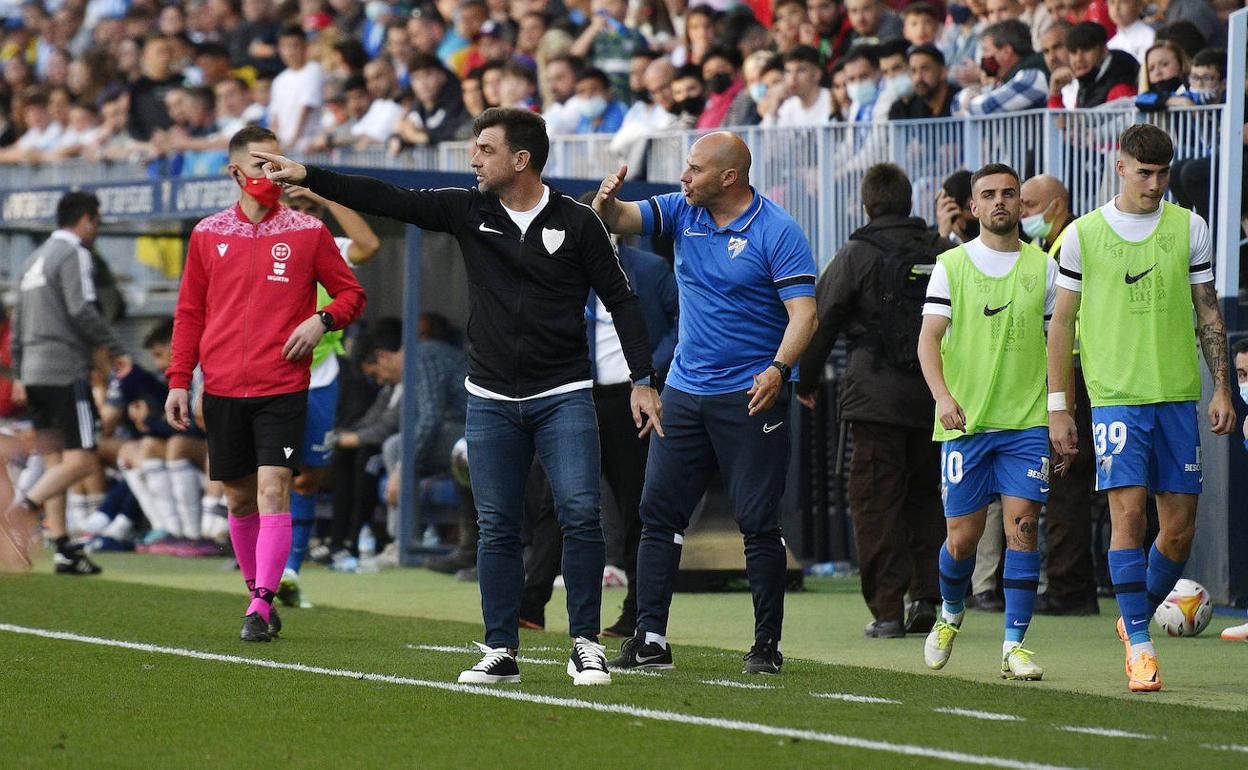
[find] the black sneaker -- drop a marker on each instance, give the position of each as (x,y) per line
(763,658)
(588,662)
(255,629)
(75,562)
(621,629)
(497,666)
(275,623)
(921,616)
(636,652)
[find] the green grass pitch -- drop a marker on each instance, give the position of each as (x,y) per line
(143,668)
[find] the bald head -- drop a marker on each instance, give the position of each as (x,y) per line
(724,150)
(1044,193)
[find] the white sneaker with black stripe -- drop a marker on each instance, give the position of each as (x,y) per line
(588,662)
(497,666)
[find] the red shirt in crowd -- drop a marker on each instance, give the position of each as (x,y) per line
(1097,11)
(245,288)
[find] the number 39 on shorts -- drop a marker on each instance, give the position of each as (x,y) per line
(951,466)
(1103,435)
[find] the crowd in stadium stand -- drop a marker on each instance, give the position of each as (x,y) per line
(168,83)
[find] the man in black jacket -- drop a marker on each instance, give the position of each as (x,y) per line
(894,477)
(532,255)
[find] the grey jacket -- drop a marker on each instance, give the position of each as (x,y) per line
(56,324)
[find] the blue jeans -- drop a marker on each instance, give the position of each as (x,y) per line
(502,437)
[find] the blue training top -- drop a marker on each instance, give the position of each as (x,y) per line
(733,282)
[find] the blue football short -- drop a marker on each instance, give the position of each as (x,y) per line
(976,469)
(1148,445)
(322,404)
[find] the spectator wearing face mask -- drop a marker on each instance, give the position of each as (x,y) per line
(762,71)
(1207,82)
(895,82)
(862,83)
(721,72)
(960,41)
(560,76)
(933,95)
(646,116)
(1014,75)
(1165,69)
(808,104)
(688,95)
(600,112)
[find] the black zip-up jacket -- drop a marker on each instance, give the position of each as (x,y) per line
(526,315)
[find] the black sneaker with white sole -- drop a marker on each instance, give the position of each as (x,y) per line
(763,658)
(497,666)
(636,652)
(588,662)
(255,629)
(75,562)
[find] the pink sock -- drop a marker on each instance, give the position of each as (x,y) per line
(243,533)
(272,551)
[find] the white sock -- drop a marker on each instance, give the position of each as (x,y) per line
(156,476)
(96,522)
(950,617)
(184,477)
(138,488)
(120,528)
(76,511)
(1142,647)
(30,473)
(659,639)
(1006,646)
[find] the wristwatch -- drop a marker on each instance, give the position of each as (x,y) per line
(326,319)
(786,371)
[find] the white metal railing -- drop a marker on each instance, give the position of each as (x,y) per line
(815,173)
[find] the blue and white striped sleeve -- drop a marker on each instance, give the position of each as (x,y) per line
(659,214)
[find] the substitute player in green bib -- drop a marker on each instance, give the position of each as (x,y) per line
(982,352)
(1133,270)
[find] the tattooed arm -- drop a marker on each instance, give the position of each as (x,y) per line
(1211,331)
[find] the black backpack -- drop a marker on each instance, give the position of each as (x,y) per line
(904,271)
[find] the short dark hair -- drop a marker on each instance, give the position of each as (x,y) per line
(803,53)
(518,70)
(1212,57)
(354,83)
(1147,144)
(923,9)
(1240,346)
(886,190)
(867,53)
(1085,36)
(247,135)
(74,205)
(575,63)
(895,47)
(687,71)
(424,61)
(215,50)
(353,53)
(593,73)
(927,49)
(523,130)
(992,169)
(1011,32)
(382,334)
(731,55)
(161,333)
(958,186)
(293,30)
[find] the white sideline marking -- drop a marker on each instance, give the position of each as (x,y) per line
(1225,747)
(739,685)
(548,700)
(851,698)
(973,714)
(522,658)
(1104,732)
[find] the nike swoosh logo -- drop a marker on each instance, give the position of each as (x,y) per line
(692,234)
(1020,625)
(991,311)
(647,658)
(1139,622)
(1044,490)
(485,229)
(769,428)
(1133,278)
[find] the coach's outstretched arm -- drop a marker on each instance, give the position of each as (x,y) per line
(621,217)
(948,411)
(427,209)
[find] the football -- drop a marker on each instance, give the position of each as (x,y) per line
(1186,611)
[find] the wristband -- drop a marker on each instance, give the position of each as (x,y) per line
(1057,402)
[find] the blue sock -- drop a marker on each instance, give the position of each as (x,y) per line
(1020,579)
(302,520)
(1128,573)
(955,577)
(1162,575)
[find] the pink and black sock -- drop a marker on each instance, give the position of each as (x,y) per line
(271,552)
(244,531)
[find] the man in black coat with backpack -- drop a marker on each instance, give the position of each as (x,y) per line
(873,292)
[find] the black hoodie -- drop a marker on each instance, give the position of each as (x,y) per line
(1118,68)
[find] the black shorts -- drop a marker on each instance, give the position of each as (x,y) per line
(65,410)
(245,433)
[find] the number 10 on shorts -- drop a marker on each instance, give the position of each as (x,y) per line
(951,467)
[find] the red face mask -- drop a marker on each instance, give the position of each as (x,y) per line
(264,190)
